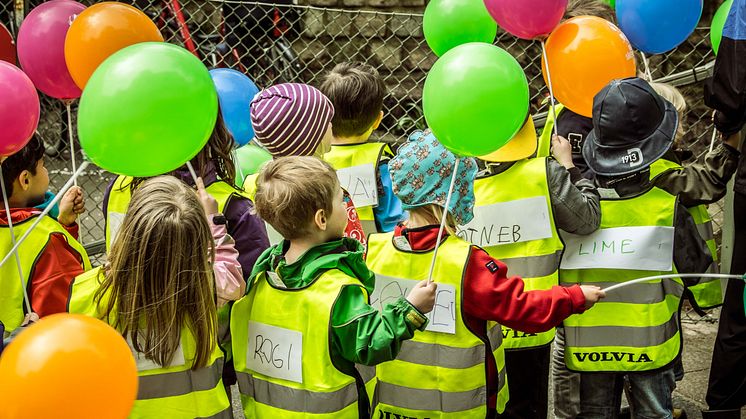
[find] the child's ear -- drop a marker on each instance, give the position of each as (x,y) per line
(378,121)
(24,179)
(320,219)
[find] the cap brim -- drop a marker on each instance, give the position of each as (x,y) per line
(523,145)
(617,161)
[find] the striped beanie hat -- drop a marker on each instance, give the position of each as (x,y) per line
(290,119)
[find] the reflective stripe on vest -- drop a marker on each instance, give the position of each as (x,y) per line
(174,391)
(281,344)
(708,293)
(12,308)
(437,373)
(363,183)
(514,223)
(545,140)
(637,327)
(120,196)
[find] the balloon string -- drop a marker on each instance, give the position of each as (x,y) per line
(191,171)
(443,220)
(551,89)
(714,137)
(670,276)
(648,74)
(238,165)
(46,211)
(13,241)
(68,103)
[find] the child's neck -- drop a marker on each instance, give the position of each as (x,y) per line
(299,247)
(351,140)
(416,221)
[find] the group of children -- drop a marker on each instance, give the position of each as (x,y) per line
(314,285)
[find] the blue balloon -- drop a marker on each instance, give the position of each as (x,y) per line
(235,92)
(658,26)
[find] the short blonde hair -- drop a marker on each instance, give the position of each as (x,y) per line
(433,215)
(290,190)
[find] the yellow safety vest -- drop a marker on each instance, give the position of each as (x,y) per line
(635,328)
(281,350)
(12,309)
(440,373)
(545,140)
(513,221)
(708,293)
(120,196)
(357,169)
(175,391)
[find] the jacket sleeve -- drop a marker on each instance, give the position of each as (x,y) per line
(702,183)
(575,200)
(248,230)
(362,335)
(53,273)
(229,282)
(389,211)
(490,294)
(691,254)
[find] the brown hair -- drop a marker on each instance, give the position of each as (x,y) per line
(357,92)
(290,190)
(160,277)
(596,8)
(219,150)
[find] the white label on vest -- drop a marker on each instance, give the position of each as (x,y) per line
(145,364)
(636,248)
(115,220)
(509,222)
(360,182)
(443,317)
(275,351)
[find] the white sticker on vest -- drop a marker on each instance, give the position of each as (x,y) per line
(145,364)
(509,222)
(115,220)
(443,317)
(360,182)
(638,248)
(275,351)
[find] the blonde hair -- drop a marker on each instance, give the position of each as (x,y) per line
(160,276)
(673,95)
(290,190)
(433,214)
(596,8)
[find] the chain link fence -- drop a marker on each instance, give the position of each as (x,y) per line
(275,43)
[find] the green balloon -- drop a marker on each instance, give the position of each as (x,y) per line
(449,23)
(475,99)
(718,23)
(147,109)
(249,160)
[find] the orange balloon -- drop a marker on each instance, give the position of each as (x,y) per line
(585,53)
(100,31)
(67,366)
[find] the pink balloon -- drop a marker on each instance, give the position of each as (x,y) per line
(19,109)
(41,47)
(527,19)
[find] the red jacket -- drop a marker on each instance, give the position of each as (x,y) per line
(490,294)
(55,268)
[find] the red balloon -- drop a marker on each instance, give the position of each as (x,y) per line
(7,46)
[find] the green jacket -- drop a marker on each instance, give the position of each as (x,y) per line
(360,334)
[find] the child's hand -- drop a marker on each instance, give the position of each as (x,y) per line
(72,204)
(422,296)
(562,151)
(209,204)
(30,319)
(592,294)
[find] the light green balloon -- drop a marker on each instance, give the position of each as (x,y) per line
(449,23)
(249,160)
(475,99)
(718,24)
(147,109)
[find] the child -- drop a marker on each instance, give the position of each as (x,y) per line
(520,205)
(51,256)
(306,319)
(357,92)
(293,119)
(644,231)
(158,290)
(215,165)
(456,367)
